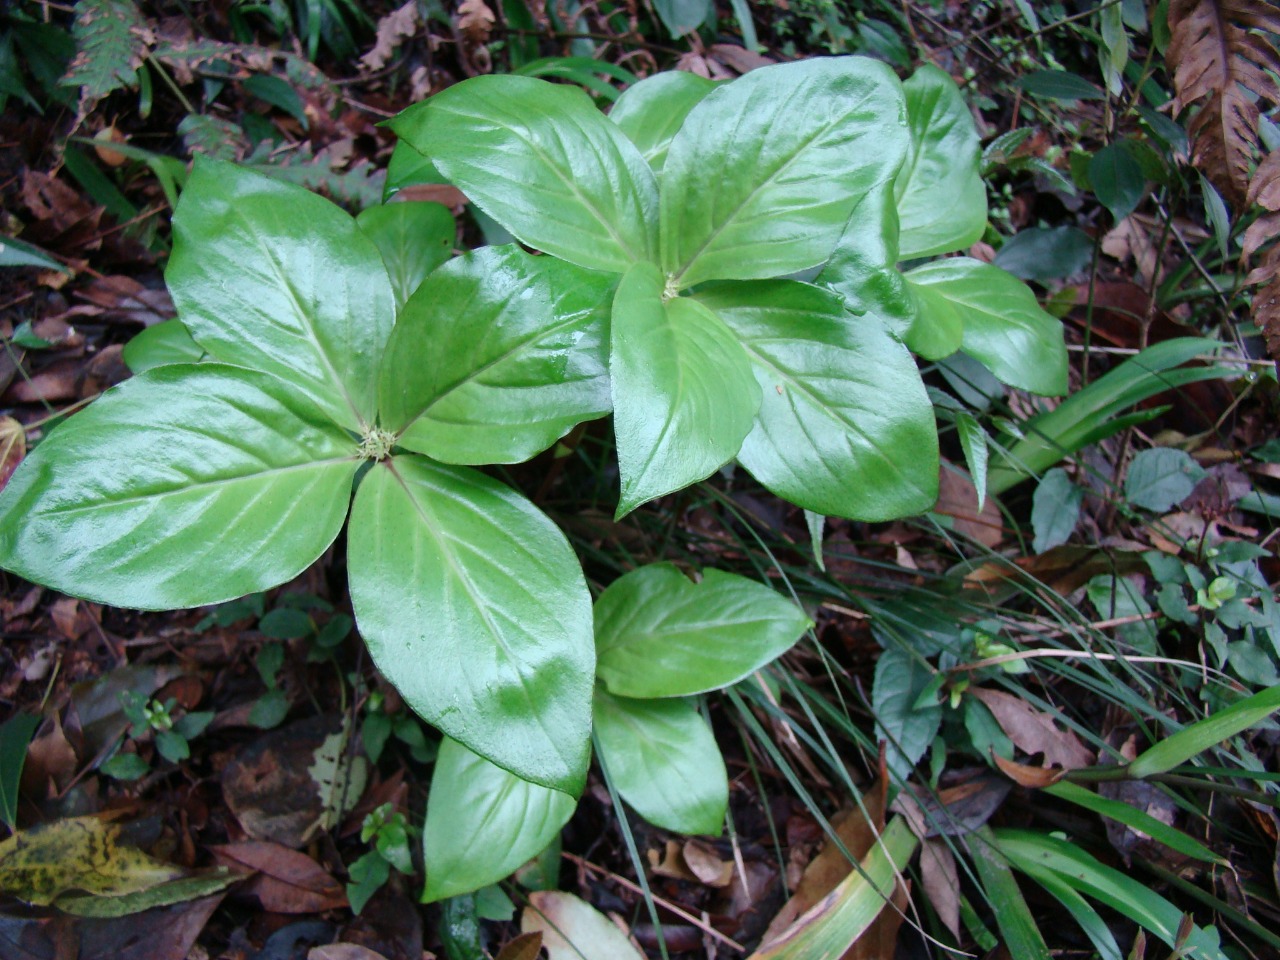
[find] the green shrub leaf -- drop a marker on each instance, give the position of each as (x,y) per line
(1055,510)
(542,161)
(1161,477)
(845,427)
(942,201)
(663,758)
(1004,326)
(483,822)
(270,276)
(414,238)
(683,393)
(659,634)
(908,726)
(473,605)
(188,485)
(763,175)
(652,111)
(497,356)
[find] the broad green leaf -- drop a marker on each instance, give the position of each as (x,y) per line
(413,237)
(187,485)
(1177,748)
(663,758)
(498,355)
(845,427)
(15,734)
(542,161)
(1046,253)
(942,202)
(907,726)
(1117,179)
(1004,326)
(1039,855)
(483,822)
(408,168)
(863,269)
(651,112)
(270,276)
(1055,510)
(166,342)
(765,171)
(473,605)
(684,397)
(1161,477)
(836,922)
(659,634)
(573,929)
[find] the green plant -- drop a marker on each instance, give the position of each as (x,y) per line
(336,358)
(390,833)
(171,735)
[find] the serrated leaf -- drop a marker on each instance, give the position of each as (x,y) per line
(473,605)
(684,396)
(483,822)
(414,238)
(765,171)
(542,161)
(1004,326)
(664,761)
(652,111)
(109,47)
(498,355)
(311,301)
(1055,510)
(658,634)
(166,342)
(941,199)
(845,427)
(907,726)
(185,486)
(1161,477)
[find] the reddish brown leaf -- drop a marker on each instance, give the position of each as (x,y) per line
(1033,731)
(287,881)
(941,882)
(392,30)
(1034,778)
(1266,314)
(13,447)
(527,946)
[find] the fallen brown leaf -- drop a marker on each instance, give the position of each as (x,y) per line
(287,881)
(1033,731)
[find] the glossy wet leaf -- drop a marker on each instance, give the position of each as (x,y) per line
(684,396)
(273,277)
(166,342)
(664,760)
(413,237)
(763,175)
(542,161)
(651,112)
(1004,326)
(187,485)
(473,605)
(941,200)
(1117,179)
(863,268)
(845,427)
(483,822)
(659,634)
(497,356)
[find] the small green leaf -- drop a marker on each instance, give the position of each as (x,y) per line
(973,440)
(659,634)
(542,161)
(284,623)
(682,16)
(413,237)
(763,175)
(1117,179)
(19,253)
(184,486)
(664,761)
(684,397)
(1055,510)
(498,355)
(908,726)
(126,766)
(473,605)
(1116,597)
(941,200)
(172,746)
(1161,477)
(1004,326)
(652,111)
(270,709)
(483,822)
(368,874)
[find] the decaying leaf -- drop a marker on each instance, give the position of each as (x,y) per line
(572,929)
(1219,52)
(13,447)
(527,946)
(184,889)
(393,29)
(110,39)
(941,882)
(1024,775)
(1033,731)
(475,20)
(287,881)
(80,854)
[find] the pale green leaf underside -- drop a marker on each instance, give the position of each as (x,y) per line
(845,427)
(763,175)
(941,199)
(483,822)
(270,276)
(542,161)
(186,485)
(658,634)
(683,394)
(663,759)
(497,356)
(651,112)
(473,605)
(1004,327)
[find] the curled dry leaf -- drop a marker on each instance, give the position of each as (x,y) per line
(1033,731)
(475,20)
(1024,775)
(13,447)
(287,881)
(393,29)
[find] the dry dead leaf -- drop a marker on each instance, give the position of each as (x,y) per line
(475,20)
(941,883)
(572,929)
(393,29)
(13,447)
(287,881)
(1024,775)
(1033,731)
(1131,239)
(343,951)
(527,946)
(958,499)
(705,864)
